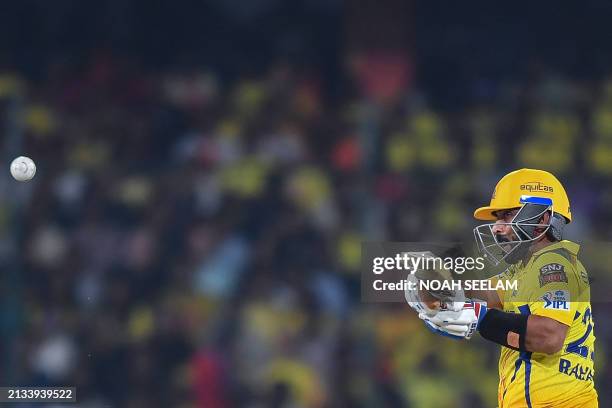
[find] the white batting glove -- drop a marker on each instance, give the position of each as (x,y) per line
(460,324)
(413,297)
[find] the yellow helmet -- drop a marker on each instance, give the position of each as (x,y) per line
(513,186)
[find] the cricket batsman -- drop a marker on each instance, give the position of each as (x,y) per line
(545,326)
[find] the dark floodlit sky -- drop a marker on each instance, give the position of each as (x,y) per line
(451,42)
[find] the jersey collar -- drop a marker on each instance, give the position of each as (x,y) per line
(570,246)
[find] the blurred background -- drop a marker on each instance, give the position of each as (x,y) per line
(207,171)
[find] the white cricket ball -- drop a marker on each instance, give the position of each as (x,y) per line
(23,168)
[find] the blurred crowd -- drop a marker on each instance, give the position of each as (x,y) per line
(189,241)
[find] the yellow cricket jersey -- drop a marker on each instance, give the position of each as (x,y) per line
(553,284)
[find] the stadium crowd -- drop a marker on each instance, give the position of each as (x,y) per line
(194,242)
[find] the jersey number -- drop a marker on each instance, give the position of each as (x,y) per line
(576,347)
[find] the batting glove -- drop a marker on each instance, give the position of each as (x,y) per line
(460,324)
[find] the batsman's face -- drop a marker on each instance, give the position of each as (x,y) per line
(502,229)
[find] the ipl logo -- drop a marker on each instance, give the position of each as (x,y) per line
(559,300)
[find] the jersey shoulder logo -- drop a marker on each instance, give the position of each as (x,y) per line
(557,300)
(552,272)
